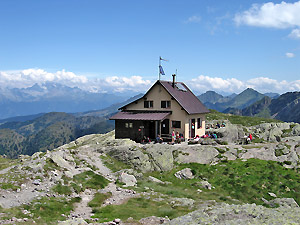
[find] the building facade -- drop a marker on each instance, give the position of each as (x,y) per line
(167,106)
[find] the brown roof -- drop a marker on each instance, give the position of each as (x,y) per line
(186,99)
(139,116)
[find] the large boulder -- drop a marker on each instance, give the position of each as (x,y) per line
(197,154)
(264,153)
(161,156)
(133,156)
(230,134)
(185,174)
(270,131)
(127,179)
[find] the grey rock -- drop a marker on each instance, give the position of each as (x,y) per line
(128,180)
(284,202)
(239,214)
(205,184)
(153,220)
(155,180)
(36,182)
(197,154)
(183,202)
(74,221)
(185,174)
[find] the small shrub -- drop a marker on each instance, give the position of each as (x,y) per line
(220,150)
(62,189)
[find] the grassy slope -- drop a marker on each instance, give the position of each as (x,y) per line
(234,119)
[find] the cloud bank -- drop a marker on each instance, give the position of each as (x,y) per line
(203,83)
(29,77)
(118,84)
(283,15)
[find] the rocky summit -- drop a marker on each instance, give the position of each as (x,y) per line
(98,179)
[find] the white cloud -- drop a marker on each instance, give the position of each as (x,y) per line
(29,77)
(295,34)
(282,15)
(112,84)
(193,19)
(290,55)
(203,83)
(206,83)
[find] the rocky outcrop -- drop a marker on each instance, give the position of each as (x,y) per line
(240,214)
(230,134)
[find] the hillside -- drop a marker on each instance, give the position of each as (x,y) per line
(98,179)
(285,107)
(48,132)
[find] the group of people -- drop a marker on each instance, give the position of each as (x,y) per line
(218,125)
(176,137)
(210,135)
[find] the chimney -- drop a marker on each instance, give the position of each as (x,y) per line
(173,84)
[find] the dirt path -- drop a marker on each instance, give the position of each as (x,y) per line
(119,195)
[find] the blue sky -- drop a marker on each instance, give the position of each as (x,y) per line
(219,45)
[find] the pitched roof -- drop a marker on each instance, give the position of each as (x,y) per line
(140,116)
(185,98)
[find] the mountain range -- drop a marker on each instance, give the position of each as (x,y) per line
(52,97)
(283,107)
(46,131)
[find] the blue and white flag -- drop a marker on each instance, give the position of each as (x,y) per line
(161,71)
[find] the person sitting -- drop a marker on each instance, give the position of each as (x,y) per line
(158,139)
(146,140)
(195,140)
(177,140)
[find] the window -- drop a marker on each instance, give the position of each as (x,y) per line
(166,104)
(176,124)
(199,123)
(148,104)
(128,125)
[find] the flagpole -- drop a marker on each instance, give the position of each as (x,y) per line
(159,65)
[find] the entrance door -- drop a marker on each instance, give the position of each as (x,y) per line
(165,126)
(151,130)
(192,127)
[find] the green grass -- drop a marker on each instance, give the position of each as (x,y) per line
(243,120)
(113,164)
(62,189)
(138,208)
(44,210)
(50,165)
(247,182)
(4,162)
(97,201)
(9,186)
(49,210)
(89,179)
(251,180)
